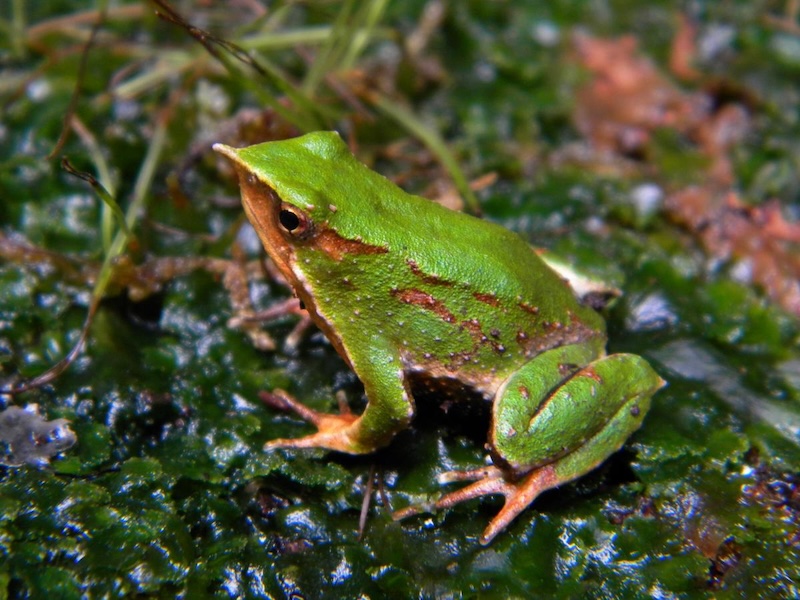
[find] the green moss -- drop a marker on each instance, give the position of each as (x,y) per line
(168,491)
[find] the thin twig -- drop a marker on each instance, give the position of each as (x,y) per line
(76,92)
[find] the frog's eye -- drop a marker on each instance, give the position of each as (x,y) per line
(294,221)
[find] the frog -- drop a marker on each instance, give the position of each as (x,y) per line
(420,300)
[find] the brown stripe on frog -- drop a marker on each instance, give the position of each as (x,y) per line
(529,308)
(336,246)
(489,299)
(426,277)
(427,302)
(424,301)
(591,373)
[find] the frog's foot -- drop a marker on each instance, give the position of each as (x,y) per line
(448,477)
(491,480)
(334,432)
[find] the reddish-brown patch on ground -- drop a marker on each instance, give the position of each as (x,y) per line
(619,514)
(627,99)
(775,493)
(684,50)
(759,237)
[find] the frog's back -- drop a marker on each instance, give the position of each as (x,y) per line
(317,172)
(440,243)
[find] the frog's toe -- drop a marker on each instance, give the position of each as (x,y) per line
(518,495)
(331,439)
(489,481)
(471,475)
(334,432)
(411,511)
(280,400)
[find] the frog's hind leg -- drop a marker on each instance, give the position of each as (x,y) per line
(555,419)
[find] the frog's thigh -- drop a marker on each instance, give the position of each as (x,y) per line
(555,410)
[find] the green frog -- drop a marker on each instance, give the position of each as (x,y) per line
(418,299)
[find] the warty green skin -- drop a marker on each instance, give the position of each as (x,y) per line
(419,298)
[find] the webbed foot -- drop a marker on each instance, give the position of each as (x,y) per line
(490,481)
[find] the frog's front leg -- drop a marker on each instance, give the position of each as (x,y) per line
(555,419)
(389,410)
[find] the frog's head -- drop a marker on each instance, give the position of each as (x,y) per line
(300,197)
(285,189)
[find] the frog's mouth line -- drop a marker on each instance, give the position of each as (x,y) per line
(261,205)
